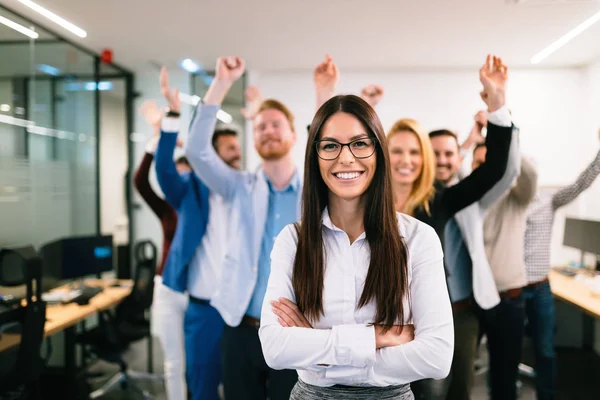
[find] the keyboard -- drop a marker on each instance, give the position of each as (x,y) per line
(87,293)
(566,271)
(80,296)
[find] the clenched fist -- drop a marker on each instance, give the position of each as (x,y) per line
(229,69)
(372,94)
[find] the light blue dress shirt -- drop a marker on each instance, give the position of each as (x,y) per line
(282,212)
(458,263)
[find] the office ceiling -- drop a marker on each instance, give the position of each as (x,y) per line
(360,34)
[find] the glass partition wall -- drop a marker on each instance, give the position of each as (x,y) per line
(51,97)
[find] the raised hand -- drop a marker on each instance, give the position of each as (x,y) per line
(152,114)
(326,76)
(493,76)
(229,69)
(172,96)
(481,119)
(253,100)
(372,94)
(289,315)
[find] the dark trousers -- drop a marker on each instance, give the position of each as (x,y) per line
(246,375)
(458,384)
(504,327)
(539,307)
(203,327)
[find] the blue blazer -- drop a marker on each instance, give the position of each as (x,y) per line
(189,197)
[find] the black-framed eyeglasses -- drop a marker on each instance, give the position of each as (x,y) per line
(360,148)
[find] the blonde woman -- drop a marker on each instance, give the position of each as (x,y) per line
(416,194)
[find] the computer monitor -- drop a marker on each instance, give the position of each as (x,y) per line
(77,257)
(583,235)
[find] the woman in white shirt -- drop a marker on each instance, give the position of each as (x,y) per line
(373,309)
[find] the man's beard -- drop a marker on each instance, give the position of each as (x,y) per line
(273,153)
(234,162)
(447,170)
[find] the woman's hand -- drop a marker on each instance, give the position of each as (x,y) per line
(397,335)
(289,315)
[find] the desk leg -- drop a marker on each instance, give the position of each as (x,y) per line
(588,332)
(70,350)
(71,361)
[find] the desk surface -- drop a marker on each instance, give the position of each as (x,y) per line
(62,316)
(568,289)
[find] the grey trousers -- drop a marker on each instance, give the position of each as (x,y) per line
(304,391)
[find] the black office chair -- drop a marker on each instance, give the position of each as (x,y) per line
(23,326)
(128,324)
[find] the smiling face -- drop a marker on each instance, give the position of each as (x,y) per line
(447,157)
(273,135)
(347,177)
(406,157)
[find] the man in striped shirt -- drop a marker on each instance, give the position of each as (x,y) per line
(539,303)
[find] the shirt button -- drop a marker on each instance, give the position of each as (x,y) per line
(254,269)
(277,216)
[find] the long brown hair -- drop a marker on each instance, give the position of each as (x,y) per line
(387,278)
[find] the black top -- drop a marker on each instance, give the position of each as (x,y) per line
(447,201)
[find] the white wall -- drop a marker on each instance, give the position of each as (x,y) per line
(113,164)
(548,105)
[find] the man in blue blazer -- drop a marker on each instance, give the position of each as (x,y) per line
(198,247)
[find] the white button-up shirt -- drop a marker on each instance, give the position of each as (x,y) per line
(343,338)
(204,271)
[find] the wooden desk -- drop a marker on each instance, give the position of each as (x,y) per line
(8,340)
(568,289)
(62,316)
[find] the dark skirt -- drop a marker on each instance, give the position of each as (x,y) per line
(304,391)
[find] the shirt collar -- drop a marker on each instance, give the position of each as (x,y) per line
(326,221)
(453,181)
(292,187)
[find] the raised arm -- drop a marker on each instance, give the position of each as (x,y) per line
(372,94)
(326,76)
(493,75)
(476,135)
(584,180)
(306,348)
(513,169)
(253,101)
(141,178)
(524,190)
(173,185)
(206,163)
(141,181)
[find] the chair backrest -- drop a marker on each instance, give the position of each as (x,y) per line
(23,324)
(140,298)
